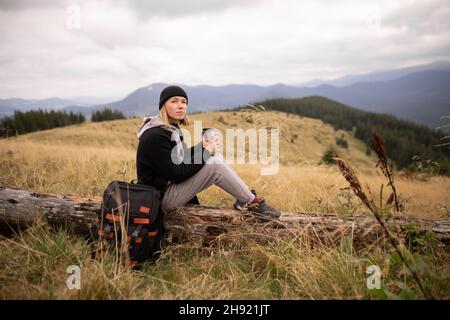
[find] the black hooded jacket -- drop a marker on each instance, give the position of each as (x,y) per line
(154,162)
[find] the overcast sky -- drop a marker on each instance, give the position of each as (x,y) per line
(110,48)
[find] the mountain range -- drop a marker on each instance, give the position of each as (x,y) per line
(381,75)
(420,94)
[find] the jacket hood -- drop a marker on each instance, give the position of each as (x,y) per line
(176,135)
(152,122)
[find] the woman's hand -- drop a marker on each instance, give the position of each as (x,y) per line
(212,146)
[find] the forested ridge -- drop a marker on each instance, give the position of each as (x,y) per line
(404,140)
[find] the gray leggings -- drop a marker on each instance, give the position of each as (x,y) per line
(215,171)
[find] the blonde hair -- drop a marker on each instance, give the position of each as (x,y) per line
(165,118)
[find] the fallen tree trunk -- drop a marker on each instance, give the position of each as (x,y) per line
(21,208)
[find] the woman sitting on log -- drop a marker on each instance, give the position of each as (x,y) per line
(164,161)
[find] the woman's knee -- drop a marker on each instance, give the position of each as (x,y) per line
(216,168)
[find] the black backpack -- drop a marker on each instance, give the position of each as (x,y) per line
(131,212)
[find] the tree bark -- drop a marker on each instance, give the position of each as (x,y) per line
(21,208)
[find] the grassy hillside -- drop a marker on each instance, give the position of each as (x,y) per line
(82,159)
(403,139)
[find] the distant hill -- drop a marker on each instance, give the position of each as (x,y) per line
(382,75)
(403,139)
(420,96)
(144,101)
(7,106)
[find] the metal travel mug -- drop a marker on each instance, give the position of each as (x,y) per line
(210,134)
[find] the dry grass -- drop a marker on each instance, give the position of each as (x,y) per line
(33,266)
(323,189)
(83,159)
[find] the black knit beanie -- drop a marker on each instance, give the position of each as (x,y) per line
(170,92)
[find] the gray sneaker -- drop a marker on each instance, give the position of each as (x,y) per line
(260,208)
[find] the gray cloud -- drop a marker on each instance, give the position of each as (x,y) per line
(122,45)
(142,8)
(27,4)
(169,8)
(421,17)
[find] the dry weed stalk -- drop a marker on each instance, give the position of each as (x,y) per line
(352,179)
(355,185)
(377,145)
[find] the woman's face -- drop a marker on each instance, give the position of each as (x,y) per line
(176,108)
